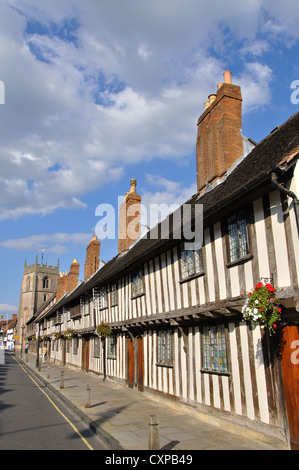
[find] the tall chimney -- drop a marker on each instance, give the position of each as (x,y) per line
(92,257)
(219,141)
(129,219)
(73,276)
(61,286)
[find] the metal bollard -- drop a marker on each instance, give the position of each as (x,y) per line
(39,365)
(62,379)
(87,396)
(48,375)
(153,433)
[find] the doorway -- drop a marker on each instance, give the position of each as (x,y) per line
(135,361)
(85,353)
(290,372)
(131,363)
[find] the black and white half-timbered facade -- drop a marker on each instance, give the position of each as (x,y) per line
(177,328)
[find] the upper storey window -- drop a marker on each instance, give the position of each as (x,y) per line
(237,236)
(191,262)
(137,283)
(46,283)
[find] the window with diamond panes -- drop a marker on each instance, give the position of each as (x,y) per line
(114,294)
(96,347)
(101,297)
(75,341)
(137,283)
(191,262)
(84,305)
(164,347)
(237,236)
(111,347)
(214,348)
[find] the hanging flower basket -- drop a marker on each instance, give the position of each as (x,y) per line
(69,333)
(103,330)
(262,307)
(56,335)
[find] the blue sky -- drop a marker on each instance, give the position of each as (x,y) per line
(98,92)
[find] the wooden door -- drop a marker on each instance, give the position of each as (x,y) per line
(85,353)
(131,363)
(140,364)
(63,351)
(290,371)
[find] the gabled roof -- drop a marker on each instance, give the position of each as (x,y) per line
(276,153)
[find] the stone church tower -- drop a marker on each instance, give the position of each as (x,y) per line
(39,283)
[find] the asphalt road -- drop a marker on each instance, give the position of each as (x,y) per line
(32,418)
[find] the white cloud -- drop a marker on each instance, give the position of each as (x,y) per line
(170,195)
(5,308)
(58,243)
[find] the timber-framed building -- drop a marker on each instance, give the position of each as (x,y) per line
(176,315)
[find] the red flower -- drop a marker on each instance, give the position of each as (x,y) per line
(274,325)
(249,293)
(261,309)
(270,288)
(279,309)
(259,285)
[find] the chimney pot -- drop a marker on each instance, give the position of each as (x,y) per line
(227,75)
(212,98)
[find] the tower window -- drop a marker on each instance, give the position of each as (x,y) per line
(45,283)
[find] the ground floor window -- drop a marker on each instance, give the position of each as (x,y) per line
(111,347)
(214,348)
(96,346)
(75,344)
(164,347)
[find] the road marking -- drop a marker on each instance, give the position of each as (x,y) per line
(56,407)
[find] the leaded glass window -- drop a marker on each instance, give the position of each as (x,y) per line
(191,262)
(75,341)
(214,348)
(237,236)
(137,283)
(164,347)
(84,305)
(96,346)
(114,294)
(111,347)
(101,297)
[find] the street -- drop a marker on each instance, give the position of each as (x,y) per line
(32,418)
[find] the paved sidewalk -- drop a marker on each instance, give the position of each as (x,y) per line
(120,415)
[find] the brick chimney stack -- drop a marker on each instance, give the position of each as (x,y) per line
(61,285)
(219,140)
(73,276)
(129,219)
(92,257)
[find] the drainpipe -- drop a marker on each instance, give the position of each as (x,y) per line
(274,178)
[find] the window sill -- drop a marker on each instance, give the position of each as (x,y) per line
(190,278)
(168,366)
(103,308)
(215,372)
(137,296)
(240,261)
